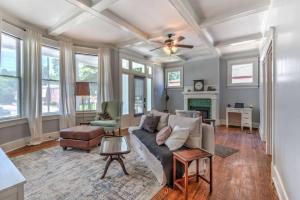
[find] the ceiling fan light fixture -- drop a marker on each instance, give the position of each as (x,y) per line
(167,50)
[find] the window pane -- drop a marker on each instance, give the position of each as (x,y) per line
(50,96)
(137,67)
(8,55)
(242,73)
(9,98)
(84,103)
(174,79)
(149,70)
(86,68)
(138,95)
(149,94)
(125,64)
(50,63)
(125,95)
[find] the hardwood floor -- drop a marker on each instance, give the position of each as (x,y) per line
(245,175)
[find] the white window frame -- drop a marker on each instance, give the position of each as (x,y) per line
(88,52)
(52,44)
(174,69)
(19,70)
(230,63)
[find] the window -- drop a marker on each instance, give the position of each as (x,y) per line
(149,94)
(243,72)
(10,78)
(174,77)
(139,95)
(86,71)
(149,70)
(125,93)
(137,67)
(50,81)
(125,63)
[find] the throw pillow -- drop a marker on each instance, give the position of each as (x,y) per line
(163,122)
(104,116)
(163,135)
(177,138)
(150,123)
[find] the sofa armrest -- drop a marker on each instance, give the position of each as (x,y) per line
(133,128)
(208,138)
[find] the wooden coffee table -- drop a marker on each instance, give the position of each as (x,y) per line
(114,148)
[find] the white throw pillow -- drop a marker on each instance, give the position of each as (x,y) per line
(195,126)
(177,138)
(142,121)
(163,121)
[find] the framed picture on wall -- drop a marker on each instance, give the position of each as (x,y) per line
(199,85)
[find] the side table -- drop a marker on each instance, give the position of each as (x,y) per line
(186,156)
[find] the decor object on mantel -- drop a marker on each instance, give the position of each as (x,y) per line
(199,85)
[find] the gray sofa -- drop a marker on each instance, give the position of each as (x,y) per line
(202,136)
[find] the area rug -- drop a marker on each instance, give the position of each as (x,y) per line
(75,175)
(224,151)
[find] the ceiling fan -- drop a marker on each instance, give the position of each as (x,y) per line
(170,45)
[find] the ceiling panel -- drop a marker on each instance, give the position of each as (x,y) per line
(238,27)
(230,49)
(151,16)
(212,8)
(96,30)
(41,13)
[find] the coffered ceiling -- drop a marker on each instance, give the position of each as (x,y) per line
(214,27)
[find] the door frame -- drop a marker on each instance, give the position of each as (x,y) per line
(268,94)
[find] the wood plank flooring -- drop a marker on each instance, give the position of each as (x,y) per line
(245,175)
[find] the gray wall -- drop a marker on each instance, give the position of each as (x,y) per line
(8,134)
(207,69)
(285,17)
(232,95)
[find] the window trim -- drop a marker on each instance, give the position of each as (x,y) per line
(230,63)
(174,69)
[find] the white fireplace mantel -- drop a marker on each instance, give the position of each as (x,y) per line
(213,95)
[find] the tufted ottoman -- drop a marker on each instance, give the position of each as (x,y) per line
(81,137)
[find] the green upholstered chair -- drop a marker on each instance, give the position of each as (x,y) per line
(114,109)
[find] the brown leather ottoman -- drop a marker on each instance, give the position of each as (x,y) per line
(81,137)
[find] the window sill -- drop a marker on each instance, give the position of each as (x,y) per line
(175,88)
(242,86)
(50,117)
(12,122)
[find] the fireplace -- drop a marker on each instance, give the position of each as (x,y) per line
(204,101)
(202,105)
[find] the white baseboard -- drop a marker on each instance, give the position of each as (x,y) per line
(281,192)
(22,142)
(255,124)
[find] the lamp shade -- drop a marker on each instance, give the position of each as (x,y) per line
(82,89)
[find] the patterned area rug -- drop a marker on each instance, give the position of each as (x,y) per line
(74,175)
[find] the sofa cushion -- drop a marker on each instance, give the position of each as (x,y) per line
(194,124)
(150,123)
(163,122)
(163,135)
(177,138)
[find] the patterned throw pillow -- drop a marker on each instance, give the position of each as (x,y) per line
(163,135)
(104,116)
(150,123)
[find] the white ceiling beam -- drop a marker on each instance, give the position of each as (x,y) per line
(187,12)
(81,16)
(233,15)
(255,37)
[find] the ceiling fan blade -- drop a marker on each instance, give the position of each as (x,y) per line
(159,42)
(156,48)
(180,38)
(184,46)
